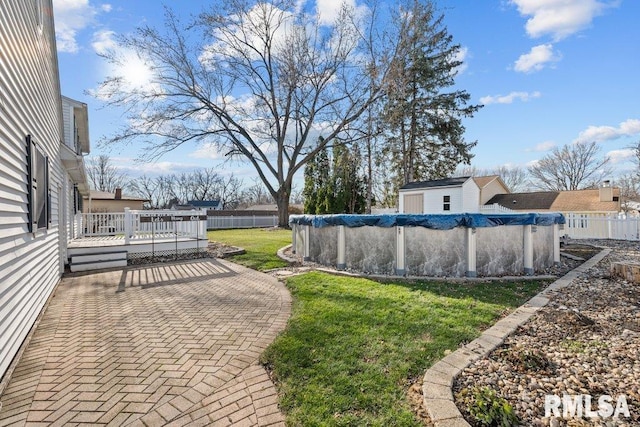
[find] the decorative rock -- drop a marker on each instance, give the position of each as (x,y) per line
(589,333)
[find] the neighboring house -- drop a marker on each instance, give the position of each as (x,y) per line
(41,177)
(293,208)
(604,200)
(103,201)
(213,205)
(449,195)
(586,211)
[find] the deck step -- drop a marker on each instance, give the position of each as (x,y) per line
(98,261)
(98,257)
(98,265)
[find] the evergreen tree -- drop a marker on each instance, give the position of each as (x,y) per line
(423,115)
(310,191)
(334,185)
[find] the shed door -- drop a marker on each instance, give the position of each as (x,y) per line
(414,203)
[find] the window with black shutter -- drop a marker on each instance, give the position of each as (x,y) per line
(38,188)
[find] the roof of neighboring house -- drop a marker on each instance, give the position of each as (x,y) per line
(272,207)
(559,201)
(541,200)
(105,195)
(203,203)
(585,200)
(445,182)
(482,181)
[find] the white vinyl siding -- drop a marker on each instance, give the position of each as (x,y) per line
(29,105)
(490,190)
(470,197)
(434,200)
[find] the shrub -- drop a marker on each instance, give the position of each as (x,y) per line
(489,409)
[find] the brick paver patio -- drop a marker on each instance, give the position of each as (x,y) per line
(165,344)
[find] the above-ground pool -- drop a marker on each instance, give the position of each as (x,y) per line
(431,245)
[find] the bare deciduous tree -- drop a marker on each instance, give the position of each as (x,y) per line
(147,188)
(572,167)
(515,178)
(260,81)
(629,185)
(104,175)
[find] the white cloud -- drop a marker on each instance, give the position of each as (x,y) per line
(508,99)
(71,17)
(621,156)
(103,41)
(629,127)
(207,150)
(559,18)
(461,55)
(536,59)
(543,146)
(329,10)
(134,167)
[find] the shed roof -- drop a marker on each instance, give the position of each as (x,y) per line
(445,182)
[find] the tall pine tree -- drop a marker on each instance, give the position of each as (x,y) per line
(423,113)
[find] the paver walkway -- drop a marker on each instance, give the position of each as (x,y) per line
(166,344)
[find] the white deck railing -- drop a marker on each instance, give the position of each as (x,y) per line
(137,225)
(495,208)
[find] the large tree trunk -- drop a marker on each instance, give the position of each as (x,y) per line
(282,200)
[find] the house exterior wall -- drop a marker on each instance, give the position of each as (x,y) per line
(490,190)
(433,199)
(29,105)
(470,197)
(68,124)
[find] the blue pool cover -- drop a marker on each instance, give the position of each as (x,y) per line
(433,221)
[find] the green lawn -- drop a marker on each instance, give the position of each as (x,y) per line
(261,246)
(353,346)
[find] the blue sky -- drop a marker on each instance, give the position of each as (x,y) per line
(549,72)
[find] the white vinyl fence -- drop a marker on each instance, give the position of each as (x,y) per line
(598,226)
(226,222)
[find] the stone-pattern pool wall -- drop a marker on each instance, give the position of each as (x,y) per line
(418,251)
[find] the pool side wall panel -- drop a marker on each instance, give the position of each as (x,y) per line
(435,252)
(371,249)
(500,250)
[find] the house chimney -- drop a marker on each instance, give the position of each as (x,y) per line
(118,193)
(606,191)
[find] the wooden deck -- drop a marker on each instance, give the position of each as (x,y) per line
(109,241)
(137,247)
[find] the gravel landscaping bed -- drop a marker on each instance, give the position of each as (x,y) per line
(586,341)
